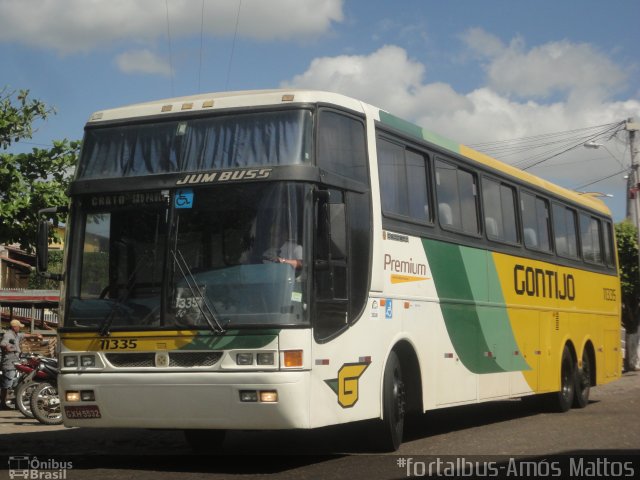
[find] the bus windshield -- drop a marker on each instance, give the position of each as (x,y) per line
(197,144)
(236,252)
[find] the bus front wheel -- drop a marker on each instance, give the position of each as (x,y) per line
(394,404)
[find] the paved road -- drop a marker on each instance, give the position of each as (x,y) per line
(497,431)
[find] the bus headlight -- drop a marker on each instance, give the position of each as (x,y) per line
(70,361)
(88,360)
(244,358)
(72,396)
(266,358)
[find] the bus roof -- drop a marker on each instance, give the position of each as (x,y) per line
(252,98)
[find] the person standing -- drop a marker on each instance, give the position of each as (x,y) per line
(10,350)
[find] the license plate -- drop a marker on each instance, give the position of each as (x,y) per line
(81,412)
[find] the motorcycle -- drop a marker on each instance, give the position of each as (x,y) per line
(28,362)
(31,376)
(45,402)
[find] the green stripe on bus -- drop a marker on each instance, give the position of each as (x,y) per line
(416,131)
(481,334)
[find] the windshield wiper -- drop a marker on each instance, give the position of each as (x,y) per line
(105,326)
(210,315)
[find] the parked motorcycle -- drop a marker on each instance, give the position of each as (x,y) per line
(31,376)
(28,362)
(45,402)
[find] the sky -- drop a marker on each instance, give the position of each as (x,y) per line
(520,80)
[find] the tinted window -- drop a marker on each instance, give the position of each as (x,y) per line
(535,222)
(457,198)
(201,144)
(342,145)
(608,242)
(564,229)
(499,211)
(590,234)
(403,181)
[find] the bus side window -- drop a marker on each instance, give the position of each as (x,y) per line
(457,194)
(564,229)
(342,145)
(608,243)
(590,235)
(403,181)
(330,264)
(499,202)
(535,222)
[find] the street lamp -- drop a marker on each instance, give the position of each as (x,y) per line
(630,203)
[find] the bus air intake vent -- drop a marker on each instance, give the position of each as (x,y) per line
(131,360)
(176,359)
(194,359)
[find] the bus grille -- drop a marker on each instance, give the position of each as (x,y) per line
(176,359)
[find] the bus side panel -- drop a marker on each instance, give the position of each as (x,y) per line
(566,305)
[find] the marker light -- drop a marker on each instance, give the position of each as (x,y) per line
(244,358)
(293,358)
(70,361)
(268,396)
(87,396)
(72,396)
(265,358)
(88,360)
(248,396)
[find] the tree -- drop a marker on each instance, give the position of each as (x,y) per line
(29,181)
(626,239)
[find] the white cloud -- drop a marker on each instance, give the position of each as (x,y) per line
(144,62)
(555,67)
(389,79)
(72,26)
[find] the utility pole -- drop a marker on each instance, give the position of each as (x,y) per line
(633,182)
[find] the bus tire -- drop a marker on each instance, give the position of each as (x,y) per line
(583,382)
(561,401)
(394,404)
(205,441)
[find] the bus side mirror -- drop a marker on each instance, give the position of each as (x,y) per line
(42,247)
(42,243)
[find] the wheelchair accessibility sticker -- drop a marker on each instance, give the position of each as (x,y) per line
(184,198)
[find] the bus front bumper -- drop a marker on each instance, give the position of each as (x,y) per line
(187,400)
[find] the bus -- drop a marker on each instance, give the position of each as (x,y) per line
(293,259)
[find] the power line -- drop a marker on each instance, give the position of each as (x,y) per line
(536,160)
(545,146)
(166,3)
(201,45)
(601,179)
(233,45)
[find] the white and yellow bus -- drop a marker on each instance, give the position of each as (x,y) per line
(296,259)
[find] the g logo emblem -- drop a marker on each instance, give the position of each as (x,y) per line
(346,386)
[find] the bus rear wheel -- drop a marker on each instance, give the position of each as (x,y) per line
(583,382)
(394,405)
(561,401)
